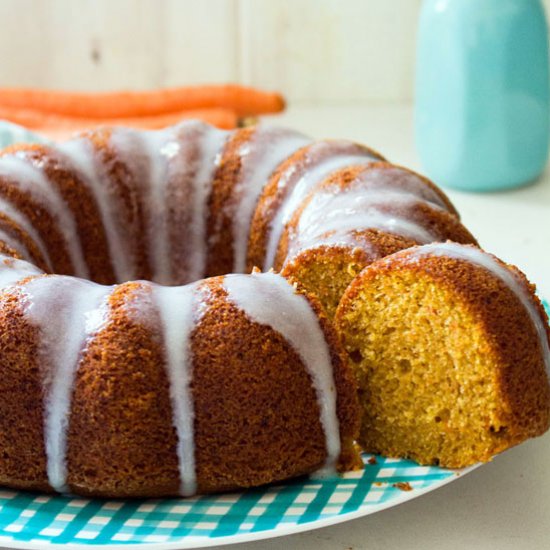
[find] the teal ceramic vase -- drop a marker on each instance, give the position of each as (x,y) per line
(482,92)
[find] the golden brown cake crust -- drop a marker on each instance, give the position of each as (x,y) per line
(11,229)
(377,245)
(279,187)
(256,413)
(41,221)
(128,191)
(23,463)
(220,253)
(121,440)
(78,198)
(257,417)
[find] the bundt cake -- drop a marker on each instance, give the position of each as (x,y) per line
(134,365)
(451,354)
(143,390)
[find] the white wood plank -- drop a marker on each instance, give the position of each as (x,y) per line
(101,44)
(105,44)
(24,55)
(330,50)
(200,41)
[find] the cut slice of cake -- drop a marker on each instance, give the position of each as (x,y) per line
(450,350)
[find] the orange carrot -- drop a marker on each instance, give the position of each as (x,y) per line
(243,100)
(45,122)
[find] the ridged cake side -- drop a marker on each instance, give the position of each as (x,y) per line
(142,390)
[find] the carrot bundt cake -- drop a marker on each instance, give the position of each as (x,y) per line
(135,365)
(451,354)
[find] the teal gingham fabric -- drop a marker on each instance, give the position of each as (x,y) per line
(51,519)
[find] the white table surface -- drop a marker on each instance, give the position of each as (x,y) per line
(506,503)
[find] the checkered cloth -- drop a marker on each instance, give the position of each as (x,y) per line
(44,519)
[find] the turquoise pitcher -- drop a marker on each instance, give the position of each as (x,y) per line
(482,92)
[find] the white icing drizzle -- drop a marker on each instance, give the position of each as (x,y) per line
(260,156)
(80,311)
(13,270)
(158,159)
(269,299)
(381,179)
(24,223)
(400,180)
(83,158)
(164,151)
(342,211)
(512,281)
(211,145)
(32,180)
(158,147)
(314,174)
(16,244)
(180,310)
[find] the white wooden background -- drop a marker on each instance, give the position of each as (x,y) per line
(315,51)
